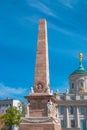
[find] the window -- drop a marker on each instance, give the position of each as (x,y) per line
(62,109)
(72,85)
(83,124)
(82,110)
(62,123)
(72,97)
(72,123)
(2,111)
(6,105)
(81,84)
(62,97)
(82,97)
(71,110)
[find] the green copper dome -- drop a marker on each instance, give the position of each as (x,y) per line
(81,69)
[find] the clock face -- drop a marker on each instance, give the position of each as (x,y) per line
(39,87)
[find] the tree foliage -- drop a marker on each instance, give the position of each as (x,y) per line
(12,116)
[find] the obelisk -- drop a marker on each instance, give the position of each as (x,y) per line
(41,107)
(41,82)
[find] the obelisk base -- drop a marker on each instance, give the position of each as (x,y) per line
(45,123)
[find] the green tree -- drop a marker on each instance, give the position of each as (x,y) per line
(12,117)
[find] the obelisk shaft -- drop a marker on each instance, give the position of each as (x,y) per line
(41,81)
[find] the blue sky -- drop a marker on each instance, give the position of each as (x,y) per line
(67,36)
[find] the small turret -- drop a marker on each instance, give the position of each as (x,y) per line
(78,79)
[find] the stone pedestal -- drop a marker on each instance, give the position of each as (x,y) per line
(42,113)
(45,123)
(41,105)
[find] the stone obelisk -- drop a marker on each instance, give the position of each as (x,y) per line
(41,107)
(41,82)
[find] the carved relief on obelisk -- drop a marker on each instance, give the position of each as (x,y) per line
(41,81)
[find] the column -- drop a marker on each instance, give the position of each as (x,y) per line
(77,117)
(67,117)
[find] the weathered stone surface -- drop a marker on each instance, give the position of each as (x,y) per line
(42,64)
(41,108)
(40,127)
(45,123)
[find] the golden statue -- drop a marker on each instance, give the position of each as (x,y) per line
(81,89)
(80,56)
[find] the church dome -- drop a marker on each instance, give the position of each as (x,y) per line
(80,69)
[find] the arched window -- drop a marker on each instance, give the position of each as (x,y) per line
(81,86)
(73,85)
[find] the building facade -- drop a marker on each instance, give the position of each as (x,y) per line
(5,104)
(72,105)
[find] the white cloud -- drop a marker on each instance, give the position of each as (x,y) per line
(32,19)
(6,91)
(69,3)
(60,29)
(43,8)
(67,31)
